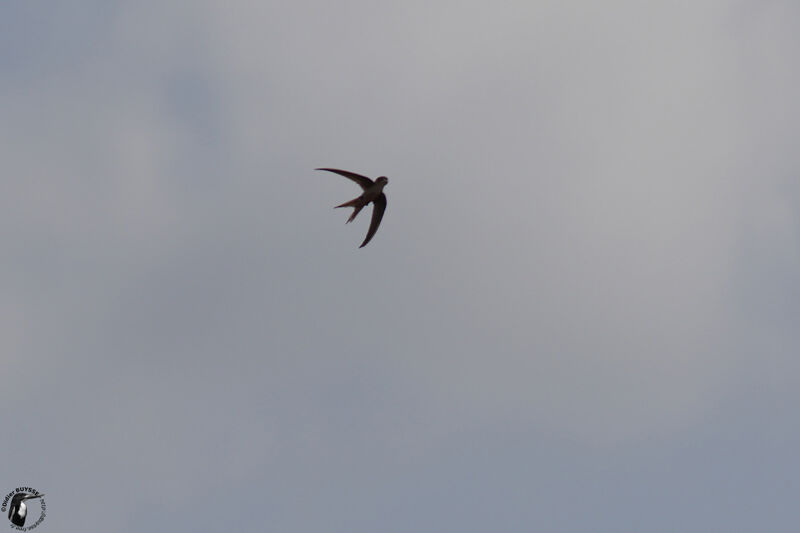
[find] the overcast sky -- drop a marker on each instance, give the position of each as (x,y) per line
(580,313)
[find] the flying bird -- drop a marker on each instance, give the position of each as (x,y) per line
(373,192)
(17,511)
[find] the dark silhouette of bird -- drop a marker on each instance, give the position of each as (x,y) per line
(373,192)
(17,511)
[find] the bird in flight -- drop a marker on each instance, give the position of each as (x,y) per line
(373,192)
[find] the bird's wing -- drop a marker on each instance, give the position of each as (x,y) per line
(363,181)
(378,207)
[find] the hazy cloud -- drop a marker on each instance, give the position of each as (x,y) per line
(582,300)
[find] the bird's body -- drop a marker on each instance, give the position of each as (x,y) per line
(375,190)
(373,193)
(17,511)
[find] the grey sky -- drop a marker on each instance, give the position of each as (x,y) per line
(580,312)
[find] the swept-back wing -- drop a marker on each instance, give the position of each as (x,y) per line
(363,181)
(378,207)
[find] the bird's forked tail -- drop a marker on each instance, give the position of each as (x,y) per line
(356,205)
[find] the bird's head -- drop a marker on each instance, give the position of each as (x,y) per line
(383,180)
(22,496)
